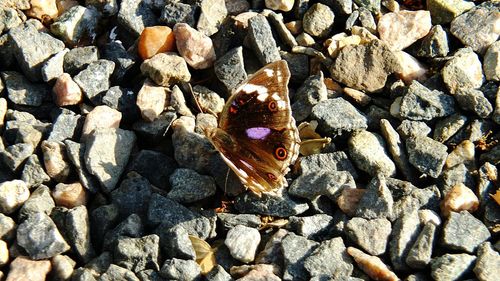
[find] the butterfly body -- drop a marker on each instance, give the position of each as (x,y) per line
(256,135)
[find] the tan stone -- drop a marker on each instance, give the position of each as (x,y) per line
(151,100)
(66,91)
(55,160)
(101,116)
(43,9)
(195,47)
(69,195)
(459,198)
(349,199)
(23,269)
(154,40)
(372,266)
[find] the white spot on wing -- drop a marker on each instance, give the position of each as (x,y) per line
(269,72)
(262,97)
(281,104)
(275,96)
(250,88)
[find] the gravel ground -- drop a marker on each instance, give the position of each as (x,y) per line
(105,173)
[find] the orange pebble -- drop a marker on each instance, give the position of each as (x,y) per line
(154,40)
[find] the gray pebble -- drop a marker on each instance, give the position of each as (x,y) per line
(123,100)
(338,116)
(132,196)
(7,228)
(420,253)
(154,132)
(377,201)
(488,262)
(368,153)
(310,93)
(103,219)
(262,41)
(427,155)
(67,125)
(409,128)
(229,220)
(84,274)
(95,79)
(14,155)
(135,15)
(218,273)
(434,44)
(33,173)
(371,235)
(230,69)
(295,251)
(404,234)
(278,204)
(175,242)
(156,167)
(450,267)
(313,184)
(138,254)
(124,61)
(242,242)
(463,71)
(178,12)
(77,232)
(449,126)
(76,24)
(150,275)
(177,269)
(462,231)
(318,20)
(475,101)
(131,227)
(22,91)
(315,227)
(39,201)
(77,59)
(115,272)
(76,154)
(335,161)
(329,260)
(53,67)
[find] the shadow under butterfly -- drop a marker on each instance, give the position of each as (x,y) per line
(256,134)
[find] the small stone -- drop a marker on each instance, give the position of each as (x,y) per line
(318,20)
(376,201)
(230,69)
(138,254)
(420,103)
(487,265)
(106,7)
(36,226)
(175,242)
(464,153)
(404,234)
(3,106)
(166,68)
(449,126)
(349,70)
(32,48)
(278,204)
(151,100)
(374,267)
(176,12)
(95,79)
(131,227)
(315,227)
(115,272)
(69,195)
(154,40)
(242,242)
(135,15)
(414,24)
(12,195)
(156,167)
(55,160)
(295,249)
(123,100)
(463,71)
(218,273)
(178,269)
(262,41)
(371,235)
(4,253)
(14,155)
(39,201)
(435,43)
(67,125)
(33,173)
(420,253)
(311,92)
(21,91)
(76,154)
(281,5)
(491,62)
(349,199)
(53,67)
(10,18)
(208,100)
(368,153)
(396,148)
(66,91)
(110,146)
(62,267)
(23,268)
(77,59)
(444,11)
(101,117)
(476,27)
(462,231)
(451,266)
(475,101)
(149,275)
(76,24)
(411,69)
(314,184)
(213,13)
(331,115)
(194,46)
(77,231)
(329,259)
(427,155)
(7,228)
(187,186)
(124,61)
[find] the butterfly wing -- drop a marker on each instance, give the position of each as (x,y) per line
(257,136)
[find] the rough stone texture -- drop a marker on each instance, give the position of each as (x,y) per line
(23,268)
(338,116)
(463,71)
(312,91)
(177,269)
(178,12)
(166,68)
(138,254)
(329,260)
(371,235)
(314,184)
(12,195)
(135,15)
(33,173)
(95,79)
(213,13)
(487,265)
(77,231)
(195,47)
(444,11)
(420,253)
(316,227)
(427,155)
(491,62)
(404,234)
(39,201)
(295,251)
(189,186)
(75,24)
(376,201)
(435,43)
(261,40)
(22,91)
(318,20)
(115,272)
(451,266)
(349,67)
(230,68)
(368,153)
(413,24)
(67,125)
(242,242)
(278,204)
(462,231)
(76,154)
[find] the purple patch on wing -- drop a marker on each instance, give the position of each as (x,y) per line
(258,133)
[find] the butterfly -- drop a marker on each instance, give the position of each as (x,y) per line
(256,134)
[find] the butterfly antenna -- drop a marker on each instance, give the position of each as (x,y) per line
(225,182)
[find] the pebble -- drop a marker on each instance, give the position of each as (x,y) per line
(112,146)
(476,28)
(313,184)
(33,173)
(3,107)
(462,154)
(318,20)
(280,5)
(23,92)
(414,24)
(76,154)
(166,68)
(115,51)
(396,148)
(95,79)
(4,253)
(106,7)
(213,14)
(315,227)
(39,201)
(444,11)
(178,269)
(77,232)
(218,273)
(55,160)
(208,100)
(487,265)
(115,272)
(66,91)
(261,39)
(451,266)
(53,67)
(449,126)
(137,254)
(349,199)
(405,231)
(77,59)
(36,226)
(463,71)
(435,43)
(151,100)
(242,242)
(7,228)
(156,167)
(154,40)
(134,16)
(230,69)
(374,267)
(12,195)
(178,12)
(62,267)
(188,186)
(69,195)
(427,155)
(331,115)
(312,91)
(463,232)
(368,153)
(420,253)
(131,227)
(278,204)
(329,250)
(371,235)
(194,46)
(376,201)
(348,70)
(23,268)
(491,66)
(295,250)
(411,68)
(76,24)
(101,117)
(175,241)
(14,155)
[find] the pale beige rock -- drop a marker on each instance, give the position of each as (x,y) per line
(3,111)
(339,41)
(280,5)
(70,195)
(43,9)
(491,62)
(463,71)
(459,198)
(66,91)
(463,153)
(358,96)
(241,20)
(12,195)
(62,267)
(166,68)
(372,266)
(411,69)
(151,100)
(412,24)
(295,27)
(255,272)
(195,47)
(305,40)
(349,199)
(23,269)
(101,116)
(4,253)
(427,215)
(55,160)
